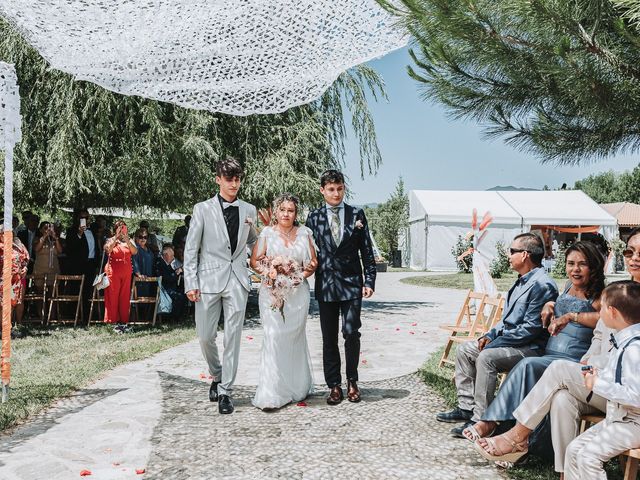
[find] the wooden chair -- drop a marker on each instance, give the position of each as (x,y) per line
(466,323)
(137,299)
(36,291)
(62,284)
(496,305)
(628,459)
(97,298)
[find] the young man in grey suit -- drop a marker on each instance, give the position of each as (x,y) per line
(519,334)
(216,275)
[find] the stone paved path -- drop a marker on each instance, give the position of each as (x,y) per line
(154,414)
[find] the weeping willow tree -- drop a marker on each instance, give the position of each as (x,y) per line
(84,145)
(559,78)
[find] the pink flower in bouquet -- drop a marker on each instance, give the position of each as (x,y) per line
(281,275)
(359,224)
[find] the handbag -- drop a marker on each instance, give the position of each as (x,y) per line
(102,280)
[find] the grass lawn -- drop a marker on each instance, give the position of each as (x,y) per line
(51,363)
(441,380)
(463,281)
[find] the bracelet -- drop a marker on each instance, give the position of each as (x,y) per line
(575,317)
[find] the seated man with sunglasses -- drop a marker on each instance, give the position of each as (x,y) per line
(519,334)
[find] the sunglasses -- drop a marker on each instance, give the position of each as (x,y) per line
(629,253)
(513,251)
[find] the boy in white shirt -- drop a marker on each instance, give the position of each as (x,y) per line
(618,383)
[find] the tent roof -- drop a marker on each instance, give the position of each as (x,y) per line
(452,206)
(559,207)
(627,214)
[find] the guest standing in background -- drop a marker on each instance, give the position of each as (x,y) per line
(47,247)
(119,269)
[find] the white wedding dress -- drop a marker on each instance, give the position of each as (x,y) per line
(285,369)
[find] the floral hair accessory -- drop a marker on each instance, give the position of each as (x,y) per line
(359,224)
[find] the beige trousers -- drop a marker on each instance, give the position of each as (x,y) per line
(603,441)
(561,393)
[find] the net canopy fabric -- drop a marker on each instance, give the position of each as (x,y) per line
(10,130)
(233,56)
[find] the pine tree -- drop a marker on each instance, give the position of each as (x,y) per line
(84,145)
(555,77)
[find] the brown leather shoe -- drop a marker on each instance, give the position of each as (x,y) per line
(353,392)
(335,395)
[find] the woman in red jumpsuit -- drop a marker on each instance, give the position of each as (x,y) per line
(119,269)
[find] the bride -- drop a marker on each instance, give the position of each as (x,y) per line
(285,369)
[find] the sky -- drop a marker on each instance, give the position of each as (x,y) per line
(432,152)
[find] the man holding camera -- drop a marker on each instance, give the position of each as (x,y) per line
(82,255)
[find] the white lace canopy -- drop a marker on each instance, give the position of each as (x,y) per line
(233,56)
(10,131)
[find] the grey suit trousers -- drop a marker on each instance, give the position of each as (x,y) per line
(233,300)
(477,372)
(560,392)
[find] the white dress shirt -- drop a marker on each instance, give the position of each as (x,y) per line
(626,396)
(331,217)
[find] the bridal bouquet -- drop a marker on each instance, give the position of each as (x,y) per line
(281,274)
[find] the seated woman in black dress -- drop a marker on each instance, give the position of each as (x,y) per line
(570,319)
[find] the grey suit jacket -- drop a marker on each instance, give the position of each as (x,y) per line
(208,262)
(521,324)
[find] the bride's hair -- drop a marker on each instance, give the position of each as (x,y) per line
(279,200)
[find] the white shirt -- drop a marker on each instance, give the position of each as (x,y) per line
(626,394)
(331,217)
(91,241)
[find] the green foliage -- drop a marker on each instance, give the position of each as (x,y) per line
(558,78)
(611,187)
(617,246)
(465,265)
(500,264)
(560,267)
(388,218)
(84,145)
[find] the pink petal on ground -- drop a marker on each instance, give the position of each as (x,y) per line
(376,328)
(414,324)
(397,329)
(203,376)
(364,362)
(85,473)
(249,337)
(115,464)
(140,471)
(412,333)
(301,403)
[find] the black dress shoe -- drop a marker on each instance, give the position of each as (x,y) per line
(455,415)
(213,391)
(457,431)
(224,404)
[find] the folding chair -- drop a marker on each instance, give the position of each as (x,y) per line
(97,297)
(62,284)
(137,299)
(35,292)
(466,324)
(496,305)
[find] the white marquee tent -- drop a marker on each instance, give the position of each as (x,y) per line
(437,218)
